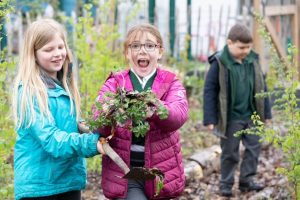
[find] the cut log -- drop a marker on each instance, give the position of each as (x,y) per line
(193,170)
(208,160)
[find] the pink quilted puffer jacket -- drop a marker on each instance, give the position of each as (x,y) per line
(162,142)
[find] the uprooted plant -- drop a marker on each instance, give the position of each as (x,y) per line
(130,109)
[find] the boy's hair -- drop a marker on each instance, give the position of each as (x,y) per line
(138,30)
(33,92)
(240,32)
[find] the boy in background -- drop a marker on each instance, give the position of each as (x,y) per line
(232,82)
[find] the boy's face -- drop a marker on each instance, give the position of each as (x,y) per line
(143,54)
(238,49)
(52,56)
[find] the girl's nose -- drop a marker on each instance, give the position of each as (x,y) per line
(56,52)
(143,49)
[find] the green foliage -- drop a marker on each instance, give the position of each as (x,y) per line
(134,10)
(6,7)
(257,129)
(278,66)
(284,78)
(6,125)
(159,185)
(7,136)
(94,164)
(129,110)
(192,71)
(195,115)
(96,53)
(36,7)
(192,75)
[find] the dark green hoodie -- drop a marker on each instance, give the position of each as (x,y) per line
(241,76)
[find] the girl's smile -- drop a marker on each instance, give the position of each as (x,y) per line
(51,56)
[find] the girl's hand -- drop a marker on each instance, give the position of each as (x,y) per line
(150,111)
(83,128)
(100,148)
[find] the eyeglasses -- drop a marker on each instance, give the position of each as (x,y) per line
(136,46)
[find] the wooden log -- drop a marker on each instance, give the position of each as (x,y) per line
(208,159)
(193,170)
(205,156)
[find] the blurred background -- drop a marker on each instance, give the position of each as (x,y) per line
(191,30)
(201,24)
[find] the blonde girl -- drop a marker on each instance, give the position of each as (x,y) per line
(49,151)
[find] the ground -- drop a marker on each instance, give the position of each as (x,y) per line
(207,187)
(195,137)
(276,185)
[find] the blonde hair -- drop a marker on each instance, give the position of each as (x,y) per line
(34,90)
(140,29)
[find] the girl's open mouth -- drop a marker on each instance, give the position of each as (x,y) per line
(143,62)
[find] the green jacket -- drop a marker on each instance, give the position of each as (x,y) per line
(49,155)
(217,94)
(223,98)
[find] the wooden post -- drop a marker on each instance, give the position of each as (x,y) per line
(257,46)
(280,50)
(189,29)
(151,11)
(298,35)
(284,10)
(172,27)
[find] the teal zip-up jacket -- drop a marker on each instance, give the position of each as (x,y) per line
(49,155)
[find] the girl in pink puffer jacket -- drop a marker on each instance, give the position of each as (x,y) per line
(160,148)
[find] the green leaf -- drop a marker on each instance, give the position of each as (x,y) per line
(126,106)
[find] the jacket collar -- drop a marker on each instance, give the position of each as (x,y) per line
(160,85)
(227,59)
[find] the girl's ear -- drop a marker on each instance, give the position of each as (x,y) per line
(127,55)
(161,51)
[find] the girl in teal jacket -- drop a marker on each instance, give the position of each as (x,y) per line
(49,151)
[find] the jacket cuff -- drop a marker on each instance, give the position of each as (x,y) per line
(93,144)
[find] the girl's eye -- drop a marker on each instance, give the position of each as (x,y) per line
(150,45)
(135,46)
(48,50)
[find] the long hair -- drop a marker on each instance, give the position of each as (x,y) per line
(28,78)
